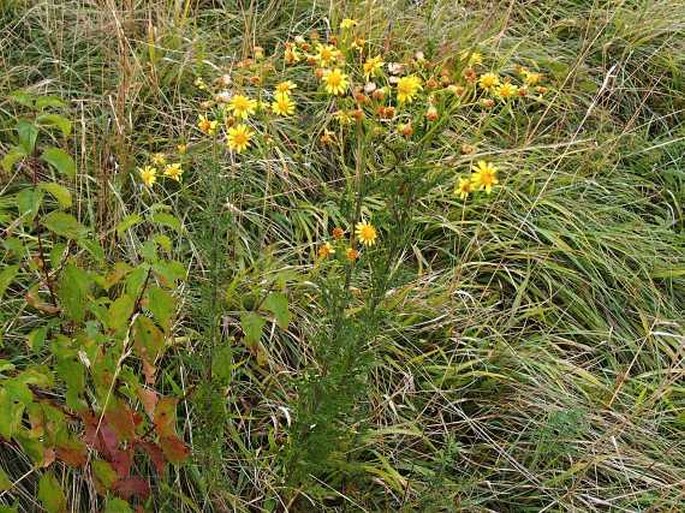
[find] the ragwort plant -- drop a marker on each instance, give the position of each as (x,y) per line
(378,124)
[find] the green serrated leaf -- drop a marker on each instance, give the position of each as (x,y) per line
(277,304)
(14,155)
(73,289)
(51,495)
(162,305)
(22,97)
(168,220)
(56,120)
(116,505)
(128,222)
(59,192)
(28,134)
(60,160)
(93,247)
(252,325)
(65,225)
(43,102)
(7,275)
(120,312)
(28,203)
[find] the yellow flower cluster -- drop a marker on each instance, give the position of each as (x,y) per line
(149,172)
(365,234)
(483,177)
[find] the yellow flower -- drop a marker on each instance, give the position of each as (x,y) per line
(239,137)
(242,106)
(182,148)
(206,126)
(335,80)
(326,250)
(464,188)
(174,171)
(158,159)
(484,176)
(506,90)
(366,233)
(348,23)
(372,67)
(286,87)
(149,175)
(343,117)
(327,55)
(531,78)
(408,88)
(472,58)
(200,84)
(488,81)
(283,105)
(291,55)
(352,254)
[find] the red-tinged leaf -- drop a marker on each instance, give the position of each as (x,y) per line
(174,449)
(74,453)
(120,419)
(48,457)
(149,371)
(132,487)
(121,461)
(99,436)
(156,456)
(149,399)
(165,416)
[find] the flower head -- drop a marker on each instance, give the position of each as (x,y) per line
(283,105)
(174,171)
(471,58)
(366,233)
(327,55)
(351,254)
(335,81)
(241,106)
(286,87)
(372,67)
(239,137)
(206,126)
(463,188)
(148,175)
(158,159)
(488,81)
(432,113)
(338,233)
(408,88)
(506,90)
(348,23)
(484,176)
(326,250)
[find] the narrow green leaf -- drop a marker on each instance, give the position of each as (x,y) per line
(62,123)
(6,277)
(14,155)
(252,325)
(59,192)
(277,304)
(51,495)
(60,160)
(28,134)
(22,98)
(65,225)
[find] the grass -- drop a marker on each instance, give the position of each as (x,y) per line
(522,351)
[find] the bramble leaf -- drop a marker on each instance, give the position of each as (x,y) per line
(60,160)
(51,495)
